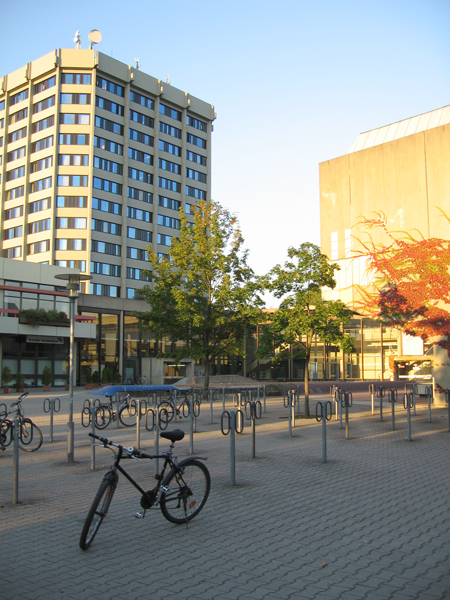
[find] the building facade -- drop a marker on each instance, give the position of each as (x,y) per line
(97,159)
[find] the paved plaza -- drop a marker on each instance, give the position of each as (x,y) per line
(373,522)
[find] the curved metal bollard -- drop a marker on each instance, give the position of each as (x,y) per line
(324,415)
(52,405)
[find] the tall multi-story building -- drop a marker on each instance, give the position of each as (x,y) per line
(97,159)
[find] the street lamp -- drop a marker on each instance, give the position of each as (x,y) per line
(73,285)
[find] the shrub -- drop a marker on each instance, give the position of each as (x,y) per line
(6,376)
(46,377)
(95,377)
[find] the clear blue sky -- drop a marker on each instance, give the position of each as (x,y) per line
(293,83)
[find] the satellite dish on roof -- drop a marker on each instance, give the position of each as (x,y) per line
(94,37)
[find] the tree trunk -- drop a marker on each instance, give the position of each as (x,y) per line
(207,371)
(307,415)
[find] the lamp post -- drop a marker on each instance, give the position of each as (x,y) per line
(73,285)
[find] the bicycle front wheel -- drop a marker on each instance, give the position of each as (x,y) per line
(30,436)
(97,512)
(168,407)
(128,413)
(188,491)
(102,417)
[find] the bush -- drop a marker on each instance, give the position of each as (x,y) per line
(6,376)
(95,377)
(105,376)
(117,377)
(88,377)
(46,377)
(19,383)
(36,316)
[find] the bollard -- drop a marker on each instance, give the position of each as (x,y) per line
(223,398)
(372,395)
(175,406)
(408,402)
(447,399)
(157,441)
(429,393)
(380,394)
(16,462)
(291,404)
(231,428)
(264,397)
(340,405)
(93,409)
(393,400)
(324,415)
(138,423)
(346,402)
(191,425)
(211,413)
(52,406)
(117,408)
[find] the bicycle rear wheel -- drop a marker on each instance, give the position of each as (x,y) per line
(102,417)
(128,413)
(6,428)
(97,512)
(168,407)
(188,491)
(30,436)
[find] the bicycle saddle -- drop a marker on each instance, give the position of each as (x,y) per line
(174,436)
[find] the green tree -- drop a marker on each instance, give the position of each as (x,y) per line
(303,313)
(204,294)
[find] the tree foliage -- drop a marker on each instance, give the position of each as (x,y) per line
(303,313)
(204,294)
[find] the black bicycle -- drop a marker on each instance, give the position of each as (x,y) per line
(181,493)
(183,405)
(30,436)
(105,412)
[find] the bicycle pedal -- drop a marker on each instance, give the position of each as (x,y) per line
(140,515)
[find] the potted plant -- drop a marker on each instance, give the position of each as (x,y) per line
(66,385)
(46,379)
(104,377)
(117,377)
(88,380)
(19,383)
(6,379)
(95,379)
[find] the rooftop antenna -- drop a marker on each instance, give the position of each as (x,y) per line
(138,66)
(95,37)
(77,40)
(167,80)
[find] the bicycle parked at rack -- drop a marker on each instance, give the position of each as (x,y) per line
(30,436)
(183,405)
(105,412)
(181,493)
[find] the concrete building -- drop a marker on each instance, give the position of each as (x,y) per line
(97,158)
(401,170)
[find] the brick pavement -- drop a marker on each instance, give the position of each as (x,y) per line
(372,523)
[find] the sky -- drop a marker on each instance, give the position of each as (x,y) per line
(293,84)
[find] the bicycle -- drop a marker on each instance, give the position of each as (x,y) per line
(180,494)
(183,407)
(105,413)
(28,431)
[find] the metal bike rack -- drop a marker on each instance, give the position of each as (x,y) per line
(338,395)
(16,429)
(52,405)
(429,393)
(393,399)
(323,413)
(291,405)
(380,394)
(93,409)
(346,403)
(408,403)
(411,388)
(253,411)
(229,425)
(447,399)
(372,396)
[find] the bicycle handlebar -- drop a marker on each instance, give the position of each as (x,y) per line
(130,450)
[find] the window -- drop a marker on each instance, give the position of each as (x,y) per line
(139,274)
(107,206)
(142,100)
(73,180)
(43,124)
(39,165)
(142,119)
(169,166)
(136,253)
(195,193)
(168,184)
(107,186)
(169,222)
(2,105)
(197,141)
(170,148)
(16,192)
(170,112)
(99,289)
(169,203)
(73,160)
(39,205)
(142,176)
(15,252)
(15,173)
(112,107)
(38,247)
(169,130)
(14,213)
(74,139)
(196,158)
(76,78)
(140,137)
(140,156)
(109,86)
(74,119)
(19,97)
(105,248)
(2,123)
(70,244)
(108,165)
(19,134)
(108,125)
(71,223)
(108,145)
(13,232)
(139,234)
(20,115)
(45,85)
(41,184)
(191,174)
(71,201)
(105,269)
(43,104)
(192,122)
(139,195)
(72,264)
(42,144)
(39,226)
(75,98)
(138,214)
(106,227)
(164,240)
